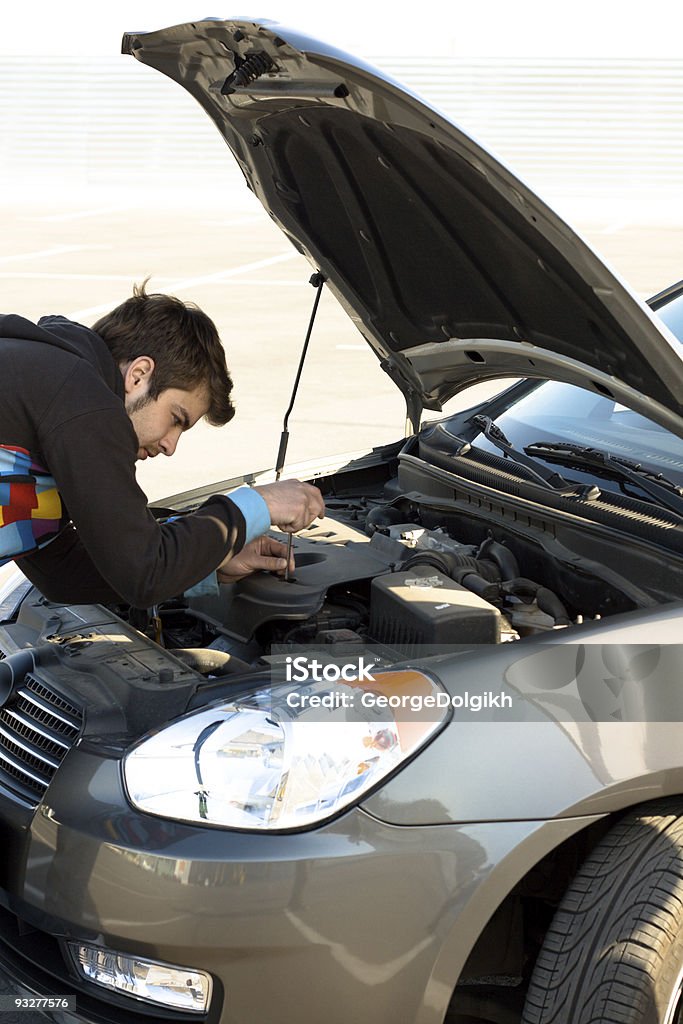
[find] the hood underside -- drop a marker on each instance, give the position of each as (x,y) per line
(451,268)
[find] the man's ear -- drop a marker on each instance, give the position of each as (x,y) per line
(137,375)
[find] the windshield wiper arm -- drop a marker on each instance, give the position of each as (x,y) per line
(495,435)
(665,491)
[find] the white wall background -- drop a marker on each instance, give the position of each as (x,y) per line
(500,28)
(584,101)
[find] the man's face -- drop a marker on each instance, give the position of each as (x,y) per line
(159,422)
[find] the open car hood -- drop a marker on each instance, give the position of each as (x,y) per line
(451,268)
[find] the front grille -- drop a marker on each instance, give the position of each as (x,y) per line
(37,728)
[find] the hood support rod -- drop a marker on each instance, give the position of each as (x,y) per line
(317,280)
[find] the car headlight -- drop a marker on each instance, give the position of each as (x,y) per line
(285,757)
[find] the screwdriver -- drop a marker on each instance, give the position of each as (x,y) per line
(289,555)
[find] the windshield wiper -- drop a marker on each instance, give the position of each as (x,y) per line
(665,491)
(498,439)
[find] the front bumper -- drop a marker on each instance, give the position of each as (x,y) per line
(358,919)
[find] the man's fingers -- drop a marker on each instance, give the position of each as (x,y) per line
(310,506)
(292,505)
(272,564)
(271,546)
(279,552)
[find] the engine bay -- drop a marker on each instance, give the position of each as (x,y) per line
(402,584)
(411,560)
(402,562)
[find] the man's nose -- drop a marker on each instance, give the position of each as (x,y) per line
(169,443)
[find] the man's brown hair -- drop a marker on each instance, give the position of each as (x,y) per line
(180,338)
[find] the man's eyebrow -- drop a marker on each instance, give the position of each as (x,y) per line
(183,416)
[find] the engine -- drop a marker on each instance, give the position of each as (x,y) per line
(363,577)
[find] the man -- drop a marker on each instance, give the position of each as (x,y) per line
(77,408)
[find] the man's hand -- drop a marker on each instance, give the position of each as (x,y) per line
(264,553)
(292,505)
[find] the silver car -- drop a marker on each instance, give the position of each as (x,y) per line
(438,774)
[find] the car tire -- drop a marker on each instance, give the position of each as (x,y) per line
(614,951)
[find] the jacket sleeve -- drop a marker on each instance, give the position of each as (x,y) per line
(119,551)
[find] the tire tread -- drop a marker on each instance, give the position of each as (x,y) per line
(620,917)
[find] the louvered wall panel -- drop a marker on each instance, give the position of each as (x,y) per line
(570,127)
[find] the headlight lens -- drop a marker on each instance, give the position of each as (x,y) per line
(283,758)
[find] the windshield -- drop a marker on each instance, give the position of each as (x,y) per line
(551,411)
(672,315)
(562,412)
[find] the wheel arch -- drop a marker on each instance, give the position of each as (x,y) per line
(516,883)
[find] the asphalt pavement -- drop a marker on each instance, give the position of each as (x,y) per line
(81,255)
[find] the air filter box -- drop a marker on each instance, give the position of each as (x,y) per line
(423,606)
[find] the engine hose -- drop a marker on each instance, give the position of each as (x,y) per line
(488,570)
(13,669)
(446,562)
(520,587)
(485,589)
(550,603)
(546,600)
(502,556)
